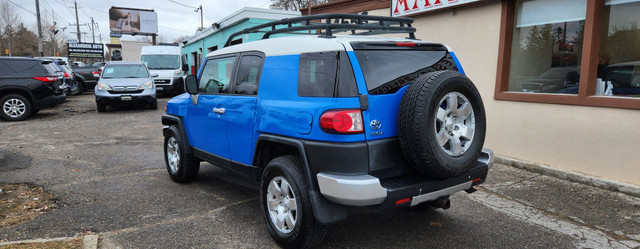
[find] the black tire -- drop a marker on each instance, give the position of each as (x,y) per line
(418,124)
(74,88)
(306,231)
(21,104)
(187,166)
(101,107)
(154,105)
(80,88)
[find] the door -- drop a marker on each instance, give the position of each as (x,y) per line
(206,119)
(241,107)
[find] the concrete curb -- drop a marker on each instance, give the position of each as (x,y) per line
(34,241)
(88,242)
(573,176)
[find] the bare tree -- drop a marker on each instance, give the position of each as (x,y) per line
(296,5)
(180,39)
(9,22)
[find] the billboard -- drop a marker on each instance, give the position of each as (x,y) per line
(133,21)
(85,50)
(411,7)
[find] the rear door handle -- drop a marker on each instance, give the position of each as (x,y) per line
(218,110)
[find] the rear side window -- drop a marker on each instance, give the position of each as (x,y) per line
(22,67)
(326,74)
(386,71)
(248,75)
(51,68)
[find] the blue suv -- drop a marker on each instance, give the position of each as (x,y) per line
(326,123)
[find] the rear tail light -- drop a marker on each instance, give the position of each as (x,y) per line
(67,76)
(46,79)
(96,73)
(343,121)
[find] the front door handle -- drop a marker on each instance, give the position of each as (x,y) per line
(218,110)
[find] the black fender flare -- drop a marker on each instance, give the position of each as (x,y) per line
(325,212)
(21,90)
(169,120)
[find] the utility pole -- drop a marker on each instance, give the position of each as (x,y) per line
(92,33)
(39,29)
(201,22)
(77,21)
(53,32)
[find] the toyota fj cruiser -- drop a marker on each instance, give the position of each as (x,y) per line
(326,123)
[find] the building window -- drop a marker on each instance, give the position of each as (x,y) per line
(619,57)
(575,52)
(547,46)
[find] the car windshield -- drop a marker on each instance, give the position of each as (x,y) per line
(158,61)
(125,71)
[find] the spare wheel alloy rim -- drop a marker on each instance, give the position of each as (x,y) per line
(454,124)
(14,108)
(173,154)
(281,204)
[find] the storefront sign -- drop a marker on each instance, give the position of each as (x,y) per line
(85,50)
(411,7)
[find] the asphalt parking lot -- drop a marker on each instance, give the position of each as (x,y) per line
(108,172)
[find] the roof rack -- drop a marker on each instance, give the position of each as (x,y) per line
(328,24)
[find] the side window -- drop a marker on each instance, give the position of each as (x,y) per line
(347,80)
(317,74)
(216,76)
(248,75)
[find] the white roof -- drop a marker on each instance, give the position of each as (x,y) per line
(160,50)
(289,45)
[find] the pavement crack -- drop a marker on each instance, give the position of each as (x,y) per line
(87,180)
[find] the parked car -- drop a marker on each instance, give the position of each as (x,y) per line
(329,123)
(167,63)
(554,80)
(624,78)
(28,85)
(125,83)
(90,75)
(73,81)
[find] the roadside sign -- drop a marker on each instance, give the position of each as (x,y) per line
(85,50)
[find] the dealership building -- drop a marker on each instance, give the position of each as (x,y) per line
(560,80)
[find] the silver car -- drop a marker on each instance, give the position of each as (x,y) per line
(125,83)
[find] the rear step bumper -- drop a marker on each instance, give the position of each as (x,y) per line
(367,190)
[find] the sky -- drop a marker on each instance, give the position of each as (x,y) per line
(174,20)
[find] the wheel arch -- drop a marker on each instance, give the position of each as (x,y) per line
(21,91)
(270,146)
(169,120)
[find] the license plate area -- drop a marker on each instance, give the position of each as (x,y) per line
(158,88)
(125,97)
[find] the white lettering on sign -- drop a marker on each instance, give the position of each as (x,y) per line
(410,7)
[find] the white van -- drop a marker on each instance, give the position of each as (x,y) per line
(166,62)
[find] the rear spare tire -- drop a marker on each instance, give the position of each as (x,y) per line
(441,124)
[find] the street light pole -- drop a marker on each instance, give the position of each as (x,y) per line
(40,49)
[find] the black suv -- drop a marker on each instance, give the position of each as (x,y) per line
(28,85)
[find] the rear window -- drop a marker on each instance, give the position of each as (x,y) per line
(326,74)
(51,68)
(386,71)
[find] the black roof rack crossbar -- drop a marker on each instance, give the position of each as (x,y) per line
(328,24)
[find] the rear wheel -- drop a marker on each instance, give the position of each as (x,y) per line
(15,107)
(441,124)
(285,201)
(154,105)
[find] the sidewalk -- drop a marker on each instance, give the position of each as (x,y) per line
(595,217)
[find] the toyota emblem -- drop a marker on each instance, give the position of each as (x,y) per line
(375,124)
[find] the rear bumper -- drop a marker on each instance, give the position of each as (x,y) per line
(49,101)
(367,190)
(174,84)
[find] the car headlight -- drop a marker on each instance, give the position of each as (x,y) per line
(177,73)
(148,84)
(104,87)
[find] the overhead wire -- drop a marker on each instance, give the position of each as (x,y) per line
(22,7)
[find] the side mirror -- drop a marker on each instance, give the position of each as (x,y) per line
(185,67)
(154,75)
(191,84)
